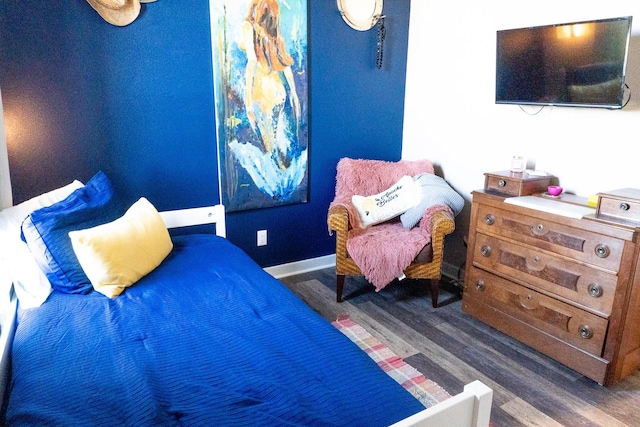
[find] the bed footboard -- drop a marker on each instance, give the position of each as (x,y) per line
(471,408)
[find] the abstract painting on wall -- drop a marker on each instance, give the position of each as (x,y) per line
(261,100)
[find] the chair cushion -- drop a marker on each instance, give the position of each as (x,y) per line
(384,251)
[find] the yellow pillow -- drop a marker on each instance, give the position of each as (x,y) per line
(118,254)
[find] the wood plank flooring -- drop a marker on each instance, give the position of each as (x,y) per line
(453,349)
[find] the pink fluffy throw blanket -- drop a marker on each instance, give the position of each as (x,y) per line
(381,251)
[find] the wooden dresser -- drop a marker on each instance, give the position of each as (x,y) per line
(568,287)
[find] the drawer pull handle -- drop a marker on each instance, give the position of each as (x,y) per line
(502,183)
(489,219)
(585,331)
(528,302)
(539,230)
(595,290)
(485,251)
(624,206)
(480,285)
(602,251)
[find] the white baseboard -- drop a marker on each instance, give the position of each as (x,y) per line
(304,266)
(312,264)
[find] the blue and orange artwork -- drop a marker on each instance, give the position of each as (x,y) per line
(261,101)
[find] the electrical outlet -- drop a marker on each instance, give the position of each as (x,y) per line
(262,237)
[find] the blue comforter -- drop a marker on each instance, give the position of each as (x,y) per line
(208,338)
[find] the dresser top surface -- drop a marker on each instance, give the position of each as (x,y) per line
(576,207)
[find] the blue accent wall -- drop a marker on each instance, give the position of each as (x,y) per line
(81,95)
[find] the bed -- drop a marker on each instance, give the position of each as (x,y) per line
(206,337)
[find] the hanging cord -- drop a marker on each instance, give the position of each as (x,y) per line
(381,34)
(542,107)
(531,114)
(629,98)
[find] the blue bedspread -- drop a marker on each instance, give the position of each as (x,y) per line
(208,338)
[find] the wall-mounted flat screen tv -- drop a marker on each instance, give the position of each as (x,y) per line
(580,64)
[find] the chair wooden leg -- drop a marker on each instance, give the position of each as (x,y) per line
(339,286)
(435,289)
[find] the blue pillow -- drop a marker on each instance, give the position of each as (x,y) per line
(46,232)
(435,191)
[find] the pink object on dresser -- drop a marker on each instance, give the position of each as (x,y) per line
(554,190)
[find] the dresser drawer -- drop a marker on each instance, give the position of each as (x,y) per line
(621,204)
(568,323)
(592,288)
(579,244)
(515,183)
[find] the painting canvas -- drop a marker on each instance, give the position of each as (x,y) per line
(259,50)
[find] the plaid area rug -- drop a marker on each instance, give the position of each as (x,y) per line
(426,391)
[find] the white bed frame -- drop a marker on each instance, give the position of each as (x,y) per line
(471,408)
(197,216)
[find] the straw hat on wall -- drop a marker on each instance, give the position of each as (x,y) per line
(117,12)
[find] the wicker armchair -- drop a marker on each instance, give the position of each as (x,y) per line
(427,264)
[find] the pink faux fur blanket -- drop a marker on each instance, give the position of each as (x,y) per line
(381,251)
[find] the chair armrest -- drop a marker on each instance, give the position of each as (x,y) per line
(442,223)
(338,219)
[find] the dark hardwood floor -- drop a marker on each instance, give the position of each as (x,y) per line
(453,349)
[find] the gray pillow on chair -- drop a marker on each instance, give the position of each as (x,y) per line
(435,191)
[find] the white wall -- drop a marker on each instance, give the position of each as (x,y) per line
(451,117)
(5,182)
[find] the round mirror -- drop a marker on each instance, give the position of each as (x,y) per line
(360,15)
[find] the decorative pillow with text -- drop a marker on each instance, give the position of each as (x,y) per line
(388,204)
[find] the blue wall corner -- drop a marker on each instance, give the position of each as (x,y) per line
(137,103)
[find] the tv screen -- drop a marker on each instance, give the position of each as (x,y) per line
(579,64)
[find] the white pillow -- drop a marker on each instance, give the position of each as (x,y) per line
(11,218)
(388,204)
(31,285)
(117,254)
